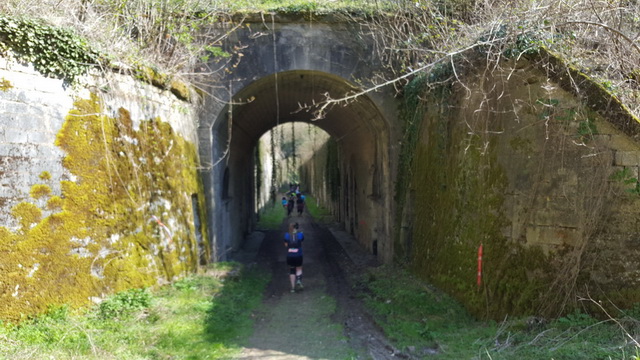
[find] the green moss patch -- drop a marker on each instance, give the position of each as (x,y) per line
(455,195)
(125,221)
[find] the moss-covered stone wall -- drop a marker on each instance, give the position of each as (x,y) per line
(120,213)
(510,161)
(321,174)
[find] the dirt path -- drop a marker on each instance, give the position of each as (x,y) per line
(325,320)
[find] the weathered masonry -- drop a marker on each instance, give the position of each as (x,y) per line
(99,190)
(285,64)
(534,162)
(118,184)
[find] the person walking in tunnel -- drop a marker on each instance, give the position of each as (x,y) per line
(293,242)
(300,204)
(290,205)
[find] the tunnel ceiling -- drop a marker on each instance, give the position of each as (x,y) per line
(295,89)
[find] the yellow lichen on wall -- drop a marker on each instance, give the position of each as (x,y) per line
(39,191)
(5,84)
(125,220)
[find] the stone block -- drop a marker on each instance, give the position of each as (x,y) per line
(24,151)
(8,221)
(8,107)
(626,205)
(568,176)
(615,141)
(26,122)
(543,235)
(6,190)
(16,187)
(606,140)
(44,85)
(48,152)
(602,159)
(556,213)
(621,224)
(20,96)
(627,158)
(56,101)
(41,137)
(16,136)
(40,113)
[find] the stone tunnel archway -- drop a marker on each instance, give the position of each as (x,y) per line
(359,129)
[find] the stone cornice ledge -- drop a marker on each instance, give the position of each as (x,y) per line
(592,93)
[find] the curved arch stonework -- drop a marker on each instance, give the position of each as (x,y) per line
(359,128)
(285,65)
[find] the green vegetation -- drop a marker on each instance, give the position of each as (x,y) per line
(320,214)
(304,6)
(626,178)
(411,114)
(204,316)
(124,304)
(53,51)
(271,216)
(586,130)
(208,316)
(433,325)
(62,40)
(39,191)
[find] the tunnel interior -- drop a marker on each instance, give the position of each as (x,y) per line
(357,126)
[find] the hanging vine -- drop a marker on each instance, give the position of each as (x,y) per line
(294,163)
(274,168)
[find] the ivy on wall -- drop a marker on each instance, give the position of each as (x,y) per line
(54,52)
(412,113)
(60,53)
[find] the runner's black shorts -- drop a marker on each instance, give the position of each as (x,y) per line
(294,260)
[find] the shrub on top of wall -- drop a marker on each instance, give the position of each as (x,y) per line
(53,51)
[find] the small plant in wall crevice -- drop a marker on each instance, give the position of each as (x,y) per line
(630,182)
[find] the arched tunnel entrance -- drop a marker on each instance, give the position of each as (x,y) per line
(358,129)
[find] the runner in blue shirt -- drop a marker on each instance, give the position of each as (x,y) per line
(293,242)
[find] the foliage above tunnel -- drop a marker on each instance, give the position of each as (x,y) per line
(597,37)
(53,51)
(65,54)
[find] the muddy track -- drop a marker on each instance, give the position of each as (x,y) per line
(324,321)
